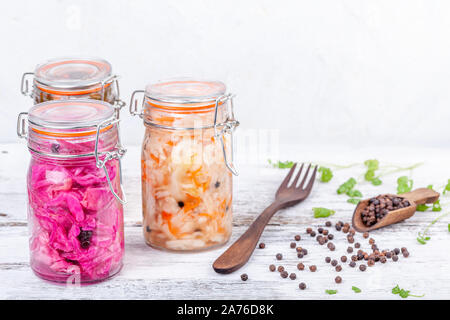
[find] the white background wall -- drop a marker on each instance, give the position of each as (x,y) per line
(326,72)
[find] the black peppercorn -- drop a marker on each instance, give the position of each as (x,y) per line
(244,277)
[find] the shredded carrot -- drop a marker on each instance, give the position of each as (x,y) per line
(155,158)
(167,217)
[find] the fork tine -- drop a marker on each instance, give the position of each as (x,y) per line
(305,177)
(288,177)
(294,183)
(311,181)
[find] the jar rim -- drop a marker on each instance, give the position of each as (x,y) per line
(70,118)
(184,94)
(72,73)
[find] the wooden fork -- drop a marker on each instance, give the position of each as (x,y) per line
(287,195)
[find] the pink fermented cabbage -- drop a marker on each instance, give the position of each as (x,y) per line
(75,220)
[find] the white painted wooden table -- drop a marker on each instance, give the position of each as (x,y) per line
(153,274)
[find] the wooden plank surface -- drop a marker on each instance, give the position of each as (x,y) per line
(153,274)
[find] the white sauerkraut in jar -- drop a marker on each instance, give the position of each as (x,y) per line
(186,187)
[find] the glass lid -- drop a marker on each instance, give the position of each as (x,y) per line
(72,73)
(185,90)
(70,114)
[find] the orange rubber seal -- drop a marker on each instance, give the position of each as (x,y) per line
(70,134)
(72,92)
(189,107)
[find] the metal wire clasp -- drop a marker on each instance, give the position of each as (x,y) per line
(118,103)
(21,129)
(134,104)
(226,127)
(25,87)
(110,155)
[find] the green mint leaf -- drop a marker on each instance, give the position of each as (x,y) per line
(422,207)
(331,291)
(421,240)
(354,194)
(447,187)
(376,181)
(326,174)
(356,289)
(396,290)
(372,164)
(404,184)
(370,174)
(436,206)
(353,200)
(281,164)
(430,186)
(449,227)
(322,212)
(346,186)
(404,293)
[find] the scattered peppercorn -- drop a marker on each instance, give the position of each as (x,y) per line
(397,251)
(312,234)
(244,277)
(308,230)
(357,245)
(304,251)
(352,264)
(262,245)
(370,263)
(279,256)
(328,223)
(334,262)
(313,268)
(349,250)
(338,268)
(406,254)
(284,274)
(297,237)
(300,266)
(371,241)
(293,245)
(293,276)
(272,267)
(280,268)
(302,286)
(362,267)
(365,235)
(325,232)
(338,279)
(330,236)
(344,258)
(320,230)
(327,259)
(300,255)
(395,258)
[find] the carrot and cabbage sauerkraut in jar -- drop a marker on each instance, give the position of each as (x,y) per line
(72,78)
(187,164)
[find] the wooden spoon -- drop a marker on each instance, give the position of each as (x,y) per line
(416,197)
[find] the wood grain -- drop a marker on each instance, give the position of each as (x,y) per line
(153,274)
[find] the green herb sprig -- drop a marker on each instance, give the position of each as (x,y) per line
(325,174)
(331,291)
(423,237)
(356,289)
(404,184)
(404,293)
(322,212)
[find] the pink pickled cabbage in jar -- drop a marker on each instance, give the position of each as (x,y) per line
(75,221)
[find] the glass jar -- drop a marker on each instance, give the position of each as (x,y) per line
(72,78)
(75,197)
(186,163)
